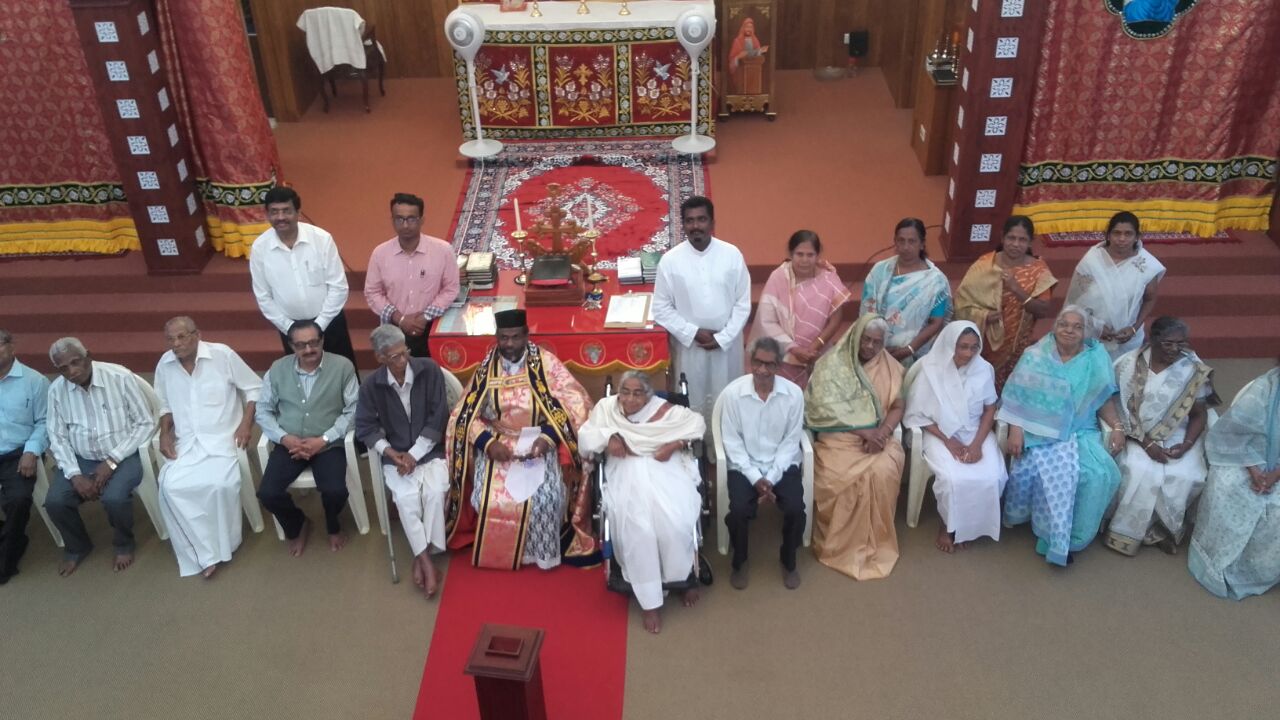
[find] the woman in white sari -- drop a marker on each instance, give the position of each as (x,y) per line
(1165,391)
(652,497)
(909,292)
(953,400)
(1116,282)
(1235,550)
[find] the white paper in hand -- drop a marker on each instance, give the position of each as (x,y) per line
(524,477)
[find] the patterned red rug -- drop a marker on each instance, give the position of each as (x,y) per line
(632,188)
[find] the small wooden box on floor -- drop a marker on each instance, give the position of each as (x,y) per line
(508,675)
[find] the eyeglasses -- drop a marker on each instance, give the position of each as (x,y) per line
(306,344)
(1174,344)
(399,220)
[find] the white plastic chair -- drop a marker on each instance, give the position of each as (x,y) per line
(307,481)
(41,492)
(452,393)
(248,497)
(722,480)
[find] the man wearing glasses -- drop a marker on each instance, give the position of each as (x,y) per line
(412,277)
(298,274)
(306,406)
(760,425)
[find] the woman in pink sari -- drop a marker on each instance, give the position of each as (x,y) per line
(800,307)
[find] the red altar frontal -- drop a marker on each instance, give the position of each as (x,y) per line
(576,336)
(599,75)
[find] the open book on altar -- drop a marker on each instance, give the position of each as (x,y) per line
(632,310)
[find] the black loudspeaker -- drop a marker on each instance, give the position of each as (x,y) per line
(858,41)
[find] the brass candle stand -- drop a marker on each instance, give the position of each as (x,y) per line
(594,298)
(519,236)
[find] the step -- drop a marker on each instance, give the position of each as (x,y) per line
(139,312)
(140,351)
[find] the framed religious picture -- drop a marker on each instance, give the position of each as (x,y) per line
(747,33)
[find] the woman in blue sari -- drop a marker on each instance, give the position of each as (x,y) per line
(1062,478)
(1235,550)
(909,292)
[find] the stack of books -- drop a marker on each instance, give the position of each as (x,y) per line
(482,271)
(649,265)
(630,271)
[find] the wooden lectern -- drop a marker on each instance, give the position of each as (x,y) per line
(504,663)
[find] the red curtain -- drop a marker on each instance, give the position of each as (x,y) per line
(211,73)
(1183,129)
(60,190)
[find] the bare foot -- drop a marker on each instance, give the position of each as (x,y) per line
(299,544)
(67,567)
(337,541)
(122,561)
(209,571)
(944,542)
(690,597)
(652,622)
(430,578)
(417,573)
(963,545)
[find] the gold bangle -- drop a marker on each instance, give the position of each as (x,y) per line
(821,341)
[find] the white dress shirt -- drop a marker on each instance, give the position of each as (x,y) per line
(703,289)
(108,420)
(206,404)
(762,437)
(305,282)
(422,445)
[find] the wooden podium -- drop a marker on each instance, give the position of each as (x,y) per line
(504,663)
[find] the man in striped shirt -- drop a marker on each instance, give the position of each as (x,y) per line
(98,417)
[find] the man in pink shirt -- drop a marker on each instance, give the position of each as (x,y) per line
(412,277)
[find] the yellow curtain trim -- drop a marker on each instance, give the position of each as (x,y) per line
(107,237)
(1205,219)
(232,239)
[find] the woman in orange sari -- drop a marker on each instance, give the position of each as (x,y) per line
(1004,293)
(800,307)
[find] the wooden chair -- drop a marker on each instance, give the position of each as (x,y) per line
(374,61)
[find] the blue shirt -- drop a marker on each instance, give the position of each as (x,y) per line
(24,395)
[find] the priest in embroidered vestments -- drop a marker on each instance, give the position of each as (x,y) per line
(517,515)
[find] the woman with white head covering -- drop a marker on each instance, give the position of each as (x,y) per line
(953,400)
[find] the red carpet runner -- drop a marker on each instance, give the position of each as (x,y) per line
(584,654)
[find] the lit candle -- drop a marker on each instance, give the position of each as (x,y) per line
(591,216)
(519,227)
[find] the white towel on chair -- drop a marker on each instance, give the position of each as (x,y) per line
(334,37)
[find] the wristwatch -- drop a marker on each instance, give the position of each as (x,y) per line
(111,464)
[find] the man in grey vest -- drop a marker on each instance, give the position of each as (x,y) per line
(308,402)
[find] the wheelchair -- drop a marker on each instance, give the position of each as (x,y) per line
(614,581)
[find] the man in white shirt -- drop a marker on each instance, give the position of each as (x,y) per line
(760,425)
(207,394)
(98,417)
(702,297)
(298,275)
(401,415)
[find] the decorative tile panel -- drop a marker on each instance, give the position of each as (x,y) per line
(143,26)
(1001,87)
(138,145)
(163,97)
(153,62)
(996,125)
(148,180)
(173,135)
(168,246)
(1011,8)
(191,203)
(117,71)
(980,232)
(106,32)
(1006,47)
(989,162)
(128,108)
(182,169)
(158,214)
(985,199)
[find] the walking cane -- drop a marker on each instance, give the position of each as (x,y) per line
(391,551)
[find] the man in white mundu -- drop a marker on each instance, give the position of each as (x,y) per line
(203,389)
(651,495)
(702,297)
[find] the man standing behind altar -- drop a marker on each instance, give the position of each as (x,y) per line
(413,277)
(702,298)
(513,457)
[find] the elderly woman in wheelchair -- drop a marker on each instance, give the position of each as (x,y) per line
(650,499)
